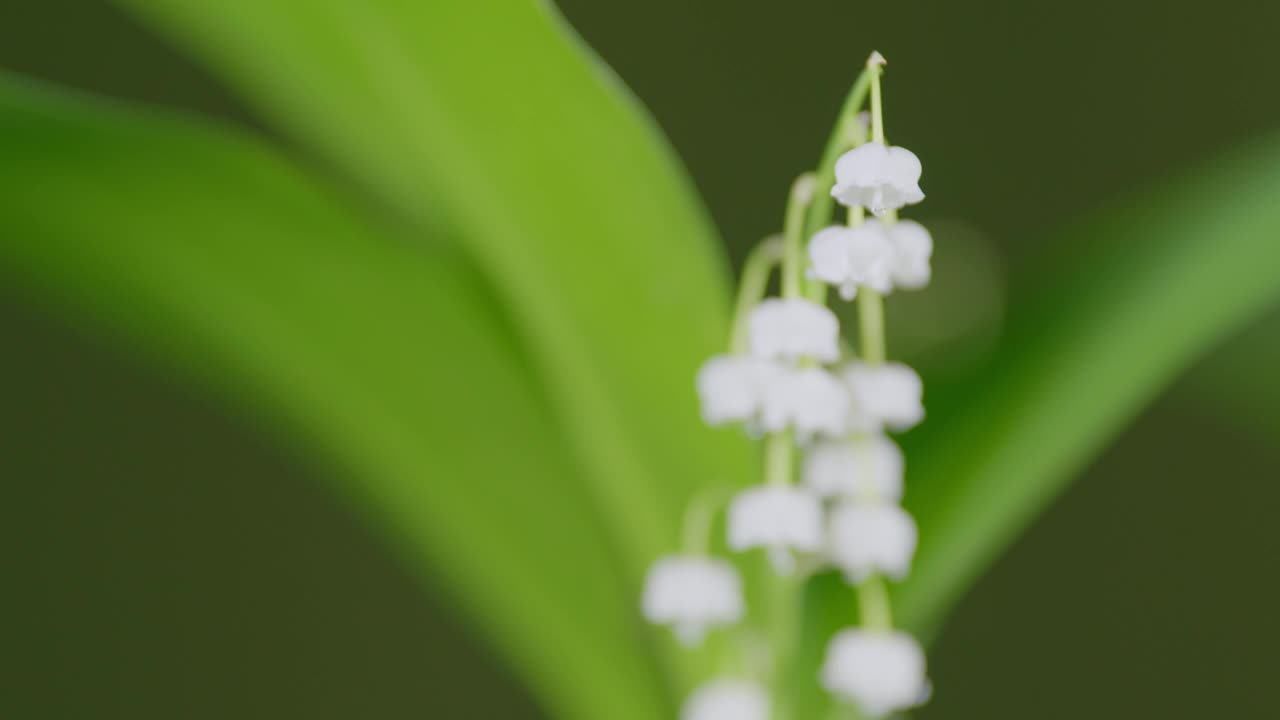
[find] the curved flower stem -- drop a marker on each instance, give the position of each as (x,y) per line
(784,590)
(698,518)
(780,452)
(751,289)
(793,263)
(810,208)
(847,133)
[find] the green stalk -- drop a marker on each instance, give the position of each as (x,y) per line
(698,518)
(752,287)
(844,135)
(780,451)
(847,134)
(875,68)
(873,595)
(871,326)
(802,192)
(783,619)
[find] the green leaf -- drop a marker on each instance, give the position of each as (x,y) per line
(388,359)
(1237,383)
(492,119)
(1141,293)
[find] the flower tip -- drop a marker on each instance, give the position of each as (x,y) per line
(784,563)
(804,188)
(876,60)
(689,634)
(857,128)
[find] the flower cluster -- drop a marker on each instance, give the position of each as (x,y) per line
(827,412)
(876,255)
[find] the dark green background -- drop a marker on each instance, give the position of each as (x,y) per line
(163,558)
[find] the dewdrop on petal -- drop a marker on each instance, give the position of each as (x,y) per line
(891,394)
(862,467)
(878,178)
(732,388)
(868,538)
(881,671)
(912,247)
(793,328)
(780,519)
(809,400)
(851,257)
(727,700)
(692,593)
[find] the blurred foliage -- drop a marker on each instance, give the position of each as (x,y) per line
(492,122)
(388,357)
(487,244)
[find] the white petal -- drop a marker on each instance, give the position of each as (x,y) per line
(902,168)
(810,400)
(782,560)
(912,248)
(794,328)
(872,538)
(732,387)
(881,671)
(775,517)
(864,467)
(862,166)
(889,393)
(878,178)
(829,255)
(852,257)
(727,700)
(692,593)
(871,256)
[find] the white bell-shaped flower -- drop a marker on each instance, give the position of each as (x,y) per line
(810,400)
(794,328)
(780,519)
(881,671)
(732,388)
(829,256)
(871,256)
(727,700)
(692,593)
(867,538)
(890,394)
(852,257)
(878,178)
(861,467)
(912,247)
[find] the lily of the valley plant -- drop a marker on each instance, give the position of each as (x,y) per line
(824,410)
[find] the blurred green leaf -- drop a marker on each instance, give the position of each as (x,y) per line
(391,358)
(490,118)
(1238,382)
(1140,293)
